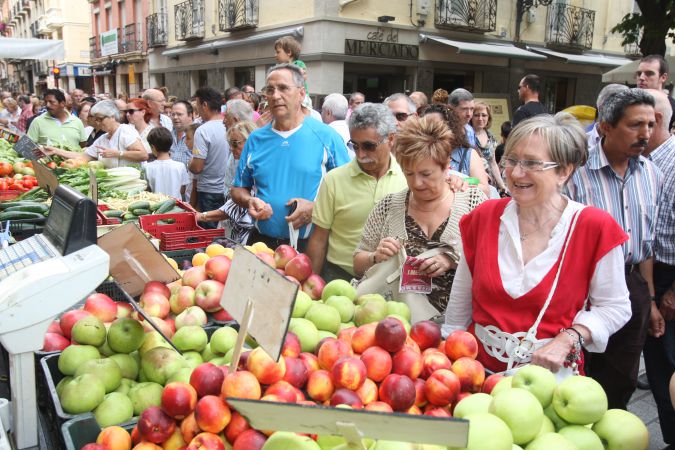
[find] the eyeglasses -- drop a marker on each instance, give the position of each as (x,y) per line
(99,118)
(131,111)
(528,165)
(367,146)
(401,116)
(282,88)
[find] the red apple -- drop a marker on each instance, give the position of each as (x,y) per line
(398,391)
(207,379)
(69,318)
(101,306)
(266,258)
(379,406)
(490,382)
(238,424)
(155,304)
(179,399)
(283,254)
(208,294)
(265,369)
(157,286)
(331,350)
(426,333)
(390,334)
(432,360)
(293,280)
(124,309)
(222,316)
(55,327)
(54,342)
(156,426)
(296,372)
(284,390)
(249,440)
(218,267)
(313,286)
(194,275)
(299,267)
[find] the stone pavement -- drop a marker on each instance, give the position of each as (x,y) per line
(643,405)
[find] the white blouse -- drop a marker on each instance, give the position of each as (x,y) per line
(608,294)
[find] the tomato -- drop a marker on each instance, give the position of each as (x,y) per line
(51,165)
(29,164)
(3,185)
(6,169)
(18,184)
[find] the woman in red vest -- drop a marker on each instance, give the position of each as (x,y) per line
(541,276)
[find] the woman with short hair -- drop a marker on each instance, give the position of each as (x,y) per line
(486,142)
(139,115)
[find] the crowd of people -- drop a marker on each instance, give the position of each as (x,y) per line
(550,243)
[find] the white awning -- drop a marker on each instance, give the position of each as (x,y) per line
(626,74)
(484,48)
(15,48)
(595,59)
(225,43)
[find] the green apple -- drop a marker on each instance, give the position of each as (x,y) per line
(338,287)
(502,385)
(517,447)
(326,334)
(474,403)
(582,437)
(115,408)
(302,304)
(285,440)
(538,380)
(181,375)
(373,308)
(145,395)
(61,384)
(191,337)
(104,369)
(403,320)
(307,333)
(382,444)
(343,304)
(151,340)
(125,386)
(160,363)
(82,394)
(74,356)
(207,354)
(324,317)
(487,431)
(521,411)
(127,364)
(125,335)
(89,330)
(558,423)
(193,358)
(580,400)
(222,360)
(550,441)
(399,308)
(142,378)
(346,325)
(222,340)
(105,349)
(546,427)
(622,430)
(367,297)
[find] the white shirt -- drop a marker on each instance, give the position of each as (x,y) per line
(608,294)
(343,130)
(166,176)
(124,136)
(166,122)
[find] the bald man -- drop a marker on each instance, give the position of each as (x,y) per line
(156,100)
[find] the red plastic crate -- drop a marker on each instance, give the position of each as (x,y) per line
(186,206)
(101,218)
(182,233)
(10,194)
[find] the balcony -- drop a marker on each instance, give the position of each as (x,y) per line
(569,27)
(131,39)
(43,28)
(34,30)
(94,48)
(237,14)
(54,18)
(157,29)
(25,5)
(474,16)
(189,17)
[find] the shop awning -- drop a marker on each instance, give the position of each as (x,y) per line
(227,43)
(626,73)
(595,59)
(484,48)
(15,48)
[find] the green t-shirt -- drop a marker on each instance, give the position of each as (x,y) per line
(47,130)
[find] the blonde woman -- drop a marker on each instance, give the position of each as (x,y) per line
(486,143)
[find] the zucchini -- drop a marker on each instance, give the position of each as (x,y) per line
(36,208)
(20,215)
(113,213)
(141,212)
(165,206)
(142,204)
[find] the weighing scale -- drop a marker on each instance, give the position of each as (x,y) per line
(39,278)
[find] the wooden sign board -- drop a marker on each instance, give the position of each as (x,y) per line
(134,260)
(371,424)
(46,178)
(93,186)
(27,148)
(272,297)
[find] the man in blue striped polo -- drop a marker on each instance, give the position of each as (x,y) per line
(618,179)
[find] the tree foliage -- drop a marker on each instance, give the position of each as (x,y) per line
(650,27)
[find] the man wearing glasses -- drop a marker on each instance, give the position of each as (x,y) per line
(401,106)
(620,180)
(528,93)
(156,100)
(57,125)
(282,163)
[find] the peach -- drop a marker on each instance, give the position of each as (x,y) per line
(114,438)
(432,360)
(135,435)
(320,385)
(367,392)
(331,351)
(346,334)
(490,382)
(398,391)
(242,384)
(407,362)
(390,334)
(379,406)
(363,337)
(311,361)
(274,398)
(189,428)
(412,345)
(265,369)
(378,363)
(426,333)
(212,414)
(206,441)
(155,426)
(175,441)
(147,446)
(207,379)
(442,387)
(461,343)
(296,372)
(249,440)
(179,399)
(414,410)
(437,411)
(349,372)
(471,373)
(283,390)
(346,397)
(291,345)
(238,424)
(420,398)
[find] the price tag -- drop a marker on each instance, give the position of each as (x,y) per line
(45,178)
(27,148)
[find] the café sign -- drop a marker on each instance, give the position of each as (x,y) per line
(381,44)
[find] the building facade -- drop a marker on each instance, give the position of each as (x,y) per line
(66,20)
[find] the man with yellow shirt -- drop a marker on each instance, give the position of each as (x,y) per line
(347,194)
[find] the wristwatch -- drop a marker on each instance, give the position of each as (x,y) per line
(371,257)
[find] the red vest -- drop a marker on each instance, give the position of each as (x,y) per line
(595,235)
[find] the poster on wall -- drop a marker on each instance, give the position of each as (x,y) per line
(500,107)
(109,45)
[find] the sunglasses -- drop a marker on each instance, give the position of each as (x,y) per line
(366,146)
(401,116)
(131,111)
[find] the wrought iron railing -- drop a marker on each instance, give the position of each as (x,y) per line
(570,27)
(478,16)
(25,5)
(156,28)
(94,48)
(34,29)
(131,40)
(189,17)
(237,14)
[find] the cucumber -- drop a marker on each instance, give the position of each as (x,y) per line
(113,213)
(128,216)
(36,208)
(20,215)
(154,206)
(141,212)
(142,204)
(175,209)
(165,206)
(6,205)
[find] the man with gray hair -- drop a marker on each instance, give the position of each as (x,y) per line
(618,179)
(237,111)
(355,99)
(462,104)
(334,113)
(593,134)
(401,106)
(348,193)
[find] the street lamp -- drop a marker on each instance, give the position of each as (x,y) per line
(523,6)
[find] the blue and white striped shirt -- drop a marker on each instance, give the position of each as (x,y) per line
(179,151)
(631,200)
(664,243)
